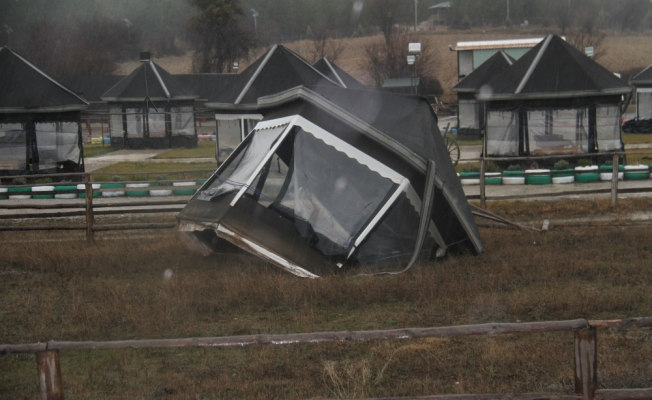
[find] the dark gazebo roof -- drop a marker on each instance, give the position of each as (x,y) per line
(25,88)
(204,85)
(644,77)
(90,87)
(337,74)
(484,73)
(278,70)
(148,81)
(555,69)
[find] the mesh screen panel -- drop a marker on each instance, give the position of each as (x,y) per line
(115,122)
(228,137)
(332,196)
(558,131)
(13,143)
(502,133)
(134,118)
(183,121)
(254,154)
(468,114)
(156,122)
(644,105)
(608,127)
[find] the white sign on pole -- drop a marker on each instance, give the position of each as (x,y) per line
(589,51)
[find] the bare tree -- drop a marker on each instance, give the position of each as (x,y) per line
(386,14)
(324,45)
(587,36)
(388,59)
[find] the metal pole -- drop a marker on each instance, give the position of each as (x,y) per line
(416,8)
(507,9)
(614,181)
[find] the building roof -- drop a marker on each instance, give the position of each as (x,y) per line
(25,88)
(445,4)
(498,44)
(204,85)
(151,81)
(90,87)
(555,69)
(484,73)
(337,74)
(398,83)
(277,70)
(644,77)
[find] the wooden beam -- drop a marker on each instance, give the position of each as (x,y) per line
(514,396)
(623,394)
(586,363)
(49,375)
(324,337)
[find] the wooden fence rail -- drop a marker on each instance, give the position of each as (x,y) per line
(586,381)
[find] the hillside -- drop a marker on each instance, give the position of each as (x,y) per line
(622,53)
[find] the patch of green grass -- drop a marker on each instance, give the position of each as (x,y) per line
(139,171)
(94,150)
(204,149)
(637,138)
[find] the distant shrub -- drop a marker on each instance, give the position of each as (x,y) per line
(471,168)
(583,162)
(43,180)
(19,181)
(491,167)
(561,164)
(116,178)
(514,167)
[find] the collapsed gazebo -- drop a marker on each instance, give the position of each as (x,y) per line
(40,131)
(336,179)
(150,109)
(236,109)
(554,100)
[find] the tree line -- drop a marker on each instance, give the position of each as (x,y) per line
(80,37)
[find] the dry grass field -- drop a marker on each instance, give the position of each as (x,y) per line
(66,290)
(623,52)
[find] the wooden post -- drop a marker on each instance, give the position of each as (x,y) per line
(614,181)
(586,363)
(483,199)
(49,375)
(90,219)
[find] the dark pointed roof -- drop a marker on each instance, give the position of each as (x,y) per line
(148,80)
(484,73)
(25,88)
(204,85)
(90,87)
(278,70)
(337,74)
(555,69)
(644,77)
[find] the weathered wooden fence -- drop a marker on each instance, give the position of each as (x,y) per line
(89,210)
(586,374)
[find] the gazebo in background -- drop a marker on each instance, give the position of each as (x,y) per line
(554,100)
(470,115)
(40,128)
(149,108)
(643,84)
(236,105)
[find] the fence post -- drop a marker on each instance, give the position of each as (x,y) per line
(483,200)
(614,181)
(49,375)
(90,219)
(586,363)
